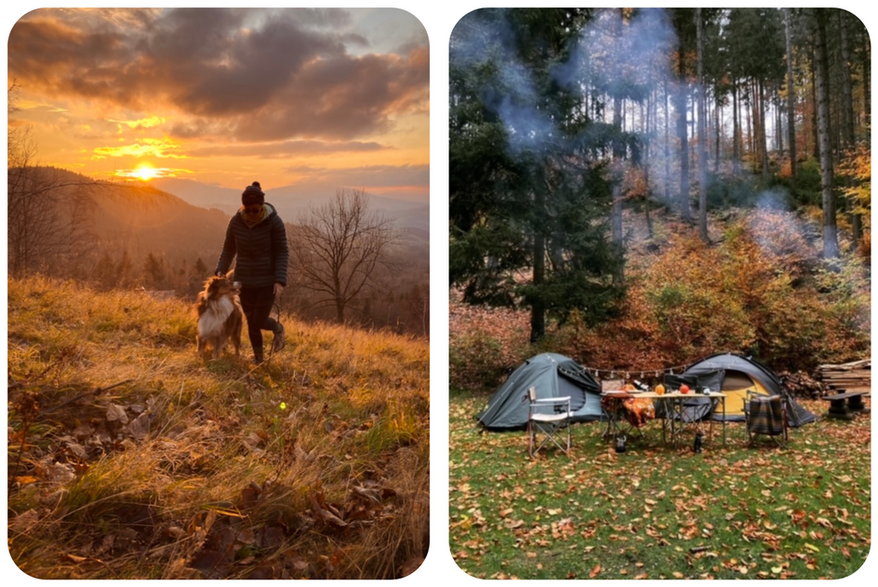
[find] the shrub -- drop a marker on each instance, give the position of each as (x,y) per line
(485,344)
(760,291)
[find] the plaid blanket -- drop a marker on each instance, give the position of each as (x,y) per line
(766,415)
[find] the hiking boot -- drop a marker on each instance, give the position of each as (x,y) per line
(279,341)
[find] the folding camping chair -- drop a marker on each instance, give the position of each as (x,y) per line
(766,415)
(547,416)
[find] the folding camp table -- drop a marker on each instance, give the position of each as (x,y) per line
(673,407)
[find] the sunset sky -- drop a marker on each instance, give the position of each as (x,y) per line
(225,96)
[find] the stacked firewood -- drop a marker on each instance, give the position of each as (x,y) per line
(803,385)
(853,376)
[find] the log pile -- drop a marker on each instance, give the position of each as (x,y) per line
(802,385)
(854,376)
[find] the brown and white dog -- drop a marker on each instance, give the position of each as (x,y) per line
(220,316)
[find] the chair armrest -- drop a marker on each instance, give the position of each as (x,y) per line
(558,405)
(553,400)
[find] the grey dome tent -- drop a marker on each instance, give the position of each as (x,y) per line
(736,375)
(553,375)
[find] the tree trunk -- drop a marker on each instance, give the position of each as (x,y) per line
(821,74)
(681,107)
(778,121)
(791,91)
(618,171)
(702,130)
(717,115)
(762,136)
(847,92)
(667,186)
(651,108)
(537,305)
(867,81)
(736,130)
(751,122)
(815,138)
(339,311)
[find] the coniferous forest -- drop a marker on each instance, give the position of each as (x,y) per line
(641,187)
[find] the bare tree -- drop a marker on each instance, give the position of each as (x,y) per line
(48,221)
(337,249)
(47,211)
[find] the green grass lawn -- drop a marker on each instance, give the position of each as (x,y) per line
(656,511)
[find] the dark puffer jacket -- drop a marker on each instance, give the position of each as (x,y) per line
(262,250)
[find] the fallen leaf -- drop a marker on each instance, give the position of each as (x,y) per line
(116,413)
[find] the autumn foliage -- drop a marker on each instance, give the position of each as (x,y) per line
(485,343)
(759,289)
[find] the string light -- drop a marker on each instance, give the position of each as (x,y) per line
(612,373)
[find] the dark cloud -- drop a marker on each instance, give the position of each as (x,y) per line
(261,75)
(213,65)
(49,55)
(340,97)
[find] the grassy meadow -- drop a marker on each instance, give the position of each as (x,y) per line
(130,457)
(658,511)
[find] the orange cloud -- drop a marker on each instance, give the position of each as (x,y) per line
(158,148)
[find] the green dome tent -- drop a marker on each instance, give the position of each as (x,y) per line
(553,375)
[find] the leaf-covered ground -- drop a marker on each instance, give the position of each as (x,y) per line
(656,511)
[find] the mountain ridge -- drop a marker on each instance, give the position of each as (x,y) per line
(293,202)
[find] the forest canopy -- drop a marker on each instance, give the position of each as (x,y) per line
(591,148)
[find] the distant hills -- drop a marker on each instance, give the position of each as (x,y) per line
(182,219)
(293,202)
(91,219)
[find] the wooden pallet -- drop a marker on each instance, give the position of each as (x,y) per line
(854,376)
(848,381)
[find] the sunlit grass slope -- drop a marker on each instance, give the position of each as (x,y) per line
(130,457)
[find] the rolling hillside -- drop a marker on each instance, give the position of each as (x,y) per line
(133,218)
(133,235)
(293,202)
(131,457)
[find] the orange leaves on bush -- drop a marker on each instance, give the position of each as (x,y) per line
(484,343)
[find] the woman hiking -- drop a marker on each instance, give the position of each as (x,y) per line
(257,237)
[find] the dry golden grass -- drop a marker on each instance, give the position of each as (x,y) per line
(130,457)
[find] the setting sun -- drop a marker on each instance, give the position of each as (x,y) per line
(145,172)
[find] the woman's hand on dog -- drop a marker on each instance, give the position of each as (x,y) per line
(278,289)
